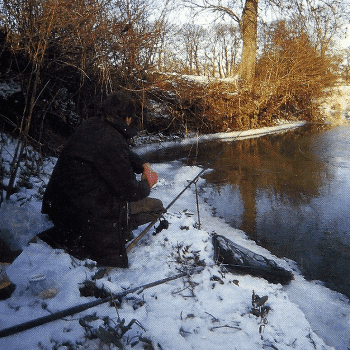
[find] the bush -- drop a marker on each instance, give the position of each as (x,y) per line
(291,77)
(292,74)
(68,56)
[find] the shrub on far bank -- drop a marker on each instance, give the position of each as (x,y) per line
(292,75)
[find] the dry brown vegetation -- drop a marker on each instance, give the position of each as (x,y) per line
(69,55)
(291,76)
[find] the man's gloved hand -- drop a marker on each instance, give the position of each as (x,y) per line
(149,175)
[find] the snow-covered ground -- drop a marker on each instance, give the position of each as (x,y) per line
(211,309)
(336,105)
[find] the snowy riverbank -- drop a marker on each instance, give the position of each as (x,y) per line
(209,310)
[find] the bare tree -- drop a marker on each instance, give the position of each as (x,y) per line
(161,57)
(321,17)
(141,38)
(192,36)
(247,23)
(346,65)
(210,51)
(227,42)
(323,20)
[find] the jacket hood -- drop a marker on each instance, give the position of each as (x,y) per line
(127,131)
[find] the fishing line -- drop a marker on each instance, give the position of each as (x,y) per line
(137,239)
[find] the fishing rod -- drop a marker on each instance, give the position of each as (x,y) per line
(151,224)
(82,307)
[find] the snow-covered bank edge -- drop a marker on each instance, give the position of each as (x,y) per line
(152,145)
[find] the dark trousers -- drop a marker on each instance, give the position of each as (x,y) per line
(144,211)
(101,239)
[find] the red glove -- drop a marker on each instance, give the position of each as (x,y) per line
(149,175)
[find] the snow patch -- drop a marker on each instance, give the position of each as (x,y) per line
(336,106)
(9,88)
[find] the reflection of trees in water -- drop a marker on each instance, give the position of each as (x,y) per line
(282,164)
(285,175)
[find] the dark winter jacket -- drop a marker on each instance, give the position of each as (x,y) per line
(87,195)
(94,174)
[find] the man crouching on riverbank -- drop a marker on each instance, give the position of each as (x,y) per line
(88,195)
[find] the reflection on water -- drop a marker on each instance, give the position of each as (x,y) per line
(279,166)
(289,192)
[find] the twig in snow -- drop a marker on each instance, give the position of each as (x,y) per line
(225,326)
(214,318)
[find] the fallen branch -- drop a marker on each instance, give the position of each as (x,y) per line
(79,308)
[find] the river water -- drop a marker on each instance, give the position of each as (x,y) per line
(289,192)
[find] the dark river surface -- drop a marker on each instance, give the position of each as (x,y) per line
(290,192)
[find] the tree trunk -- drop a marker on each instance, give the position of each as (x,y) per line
(249,36)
